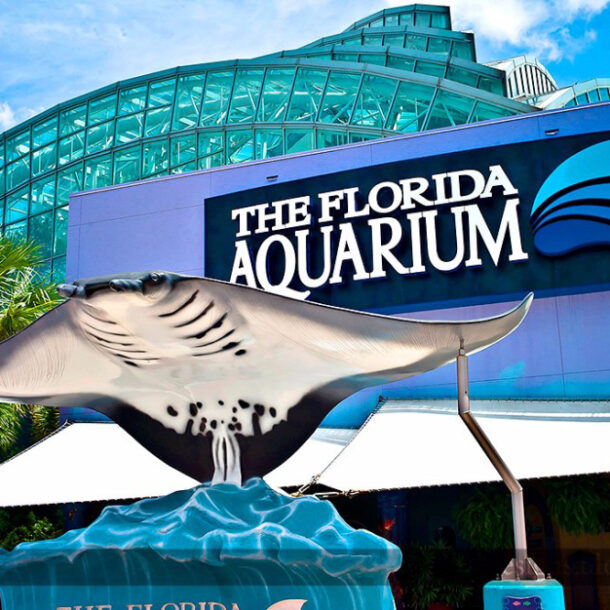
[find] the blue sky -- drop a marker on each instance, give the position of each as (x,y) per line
(52,51)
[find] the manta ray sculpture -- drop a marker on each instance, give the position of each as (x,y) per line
(221,381)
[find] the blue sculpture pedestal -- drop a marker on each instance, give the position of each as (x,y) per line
(216,547)
(523,595)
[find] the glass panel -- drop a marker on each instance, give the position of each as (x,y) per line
(43,195)
(594,96)
(61,231)
(331,138)
(72,120)
(245,95)
(422,19)
(276,92)
(401,63)
(1,154)
(69,181)
(129,128)
(415,42)
(71,148)
(157,122)
(407,18)
(17,146)
(462,49)
(371,40)
(98,172)
(268,143)
(102,108)
(604,94)
(161,93)
(440,20)
(391,20)
(346,57)
(17,205)
(493,85)
(188,100)
(483,112)
(462,76)
(211,161)
(187,167)
(155,158)
(44,133)
(40,231)
(378,23)
(127,165)
(44,159)
(239,146)
(132,100)
(306,96)
(439,45)
(394,40)
(216,98)
(299,140)
(339,97)
(357,40)
(410,107)
(430,68)
(361,137)
(373,104)
(184,149)
(449,110)
(582,99)
(211,149)
(17,231)
(100,137)
(59,269)
(17,173)
(373,58)
(2,189)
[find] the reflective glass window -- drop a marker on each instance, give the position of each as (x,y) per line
(43,195)
(440,46)
(461,75)
(17,173)
(483,112)
(129,128)
(378,23)
(276,92)
(44,133)
(462,49)
(594,95)
(17,231)
(102,108)
(373,103)
(604,93)
(394,40)
(299,140)
(61,231)
(268,143)
(155,157)
(187,167)
(439,20)
(59,269)
(415,42)
(1,154)
(98,172)
(346,56)
(127,165)
(161,92)
(341,91)
(100,137)
(40,229)
(157,121)
(216,99)
(17,205)
(410,107)
(44,159)
(183,149)
(448,110)
(401,63)
(188,101)
(132,99)
(211,149)
(361,137)
(407,18)
(324,139)
(356,40)
(373,58)
(69,180)
(493,85)
(371,40)
(17,146)
(2,189)
(391,20)
(72,120)
(422,19)
(582,99)
(245,95)
(239,146)
(71,148)
(430,68)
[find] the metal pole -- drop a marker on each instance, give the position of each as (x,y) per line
(509,479)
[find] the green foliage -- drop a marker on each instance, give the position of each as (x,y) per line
(436,574)
(579,505)
(20,525)
(485,519)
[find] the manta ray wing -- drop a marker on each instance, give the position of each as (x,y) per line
(221,381)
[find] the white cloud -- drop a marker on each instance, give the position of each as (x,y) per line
(10,117)
(540,27)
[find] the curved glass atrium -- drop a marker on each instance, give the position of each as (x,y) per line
(402,70)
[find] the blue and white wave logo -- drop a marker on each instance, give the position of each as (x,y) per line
(572,208)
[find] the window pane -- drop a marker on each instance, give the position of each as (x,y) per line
(361,137)
(17,146)
(439,45)
(331,138)
(98,172)
(346,56)
(1,154)
(43,195)
(339,97)
(184,149)
(59,269)
(17,205)
(69,181)
(216,98)
(155,158)
(407,18)
(44,133)
(493,85)
(462,76)
(132,100)
(415,42)
(430,68)
(483,112)
(239,146)
(157,122)
(44,159)
(127,165)
(61,231)
(211,149)
(605,93)
(268,143)
(188,100)
(373,104)
(71,148)
(17,231)
(161,93)
(2,189)
(440,20)
(401,63)
(306,96)
(245,95)
(40,231)
(129,128)
(394,40)
(410,107)
(72,120)
(100,137)
(449,110)
(17,173)
(299,140)
(594,95)
(187,167)
(372,40)
(102,108)
(422,19)
(391,20)
(371,58)
(462,49)
(276,91)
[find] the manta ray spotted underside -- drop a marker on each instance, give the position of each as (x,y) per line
(220,381)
